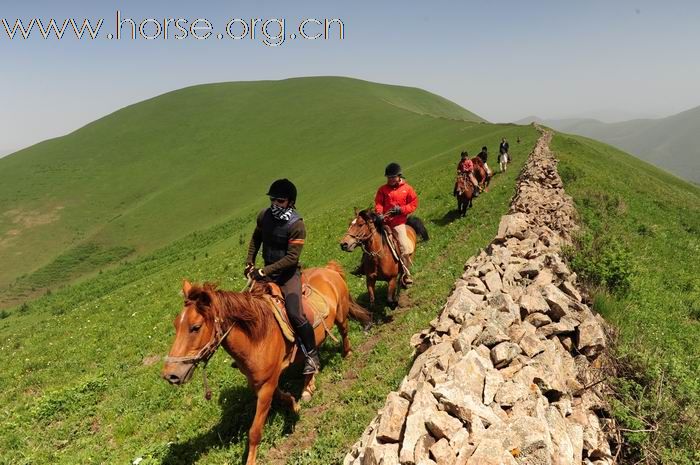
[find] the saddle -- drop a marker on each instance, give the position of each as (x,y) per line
(393,242)
(316,308)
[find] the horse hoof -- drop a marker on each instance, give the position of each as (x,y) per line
(347,354)
(296,408)
(305,396)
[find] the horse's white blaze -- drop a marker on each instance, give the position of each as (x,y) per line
(354,221)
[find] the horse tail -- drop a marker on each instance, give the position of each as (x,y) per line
(337,267)
(359,313)
(418,226)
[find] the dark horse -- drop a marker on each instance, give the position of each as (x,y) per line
(244,324)
(378,262)
(481,174)
(465,193)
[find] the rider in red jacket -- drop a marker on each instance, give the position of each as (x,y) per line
(394,201)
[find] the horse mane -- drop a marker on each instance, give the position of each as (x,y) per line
(369,216)
(249,310)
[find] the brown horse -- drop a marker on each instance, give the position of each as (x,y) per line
(243,323)
(378,262)
(480,173)
(465,193)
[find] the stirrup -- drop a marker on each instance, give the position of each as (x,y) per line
(312,364)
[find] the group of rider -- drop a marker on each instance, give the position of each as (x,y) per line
(281,233)
(466,168)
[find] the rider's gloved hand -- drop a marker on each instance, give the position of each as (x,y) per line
(380,217)
(257,274)
(395,210)
(248,268)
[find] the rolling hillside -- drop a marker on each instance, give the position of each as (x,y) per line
(81,379)
(669,143)
(155,171)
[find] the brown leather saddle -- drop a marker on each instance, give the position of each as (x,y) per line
(316,307)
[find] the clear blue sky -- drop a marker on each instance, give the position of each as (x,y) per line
(501,59)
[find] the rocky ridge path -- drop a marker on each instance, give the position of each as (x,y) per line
(509,373)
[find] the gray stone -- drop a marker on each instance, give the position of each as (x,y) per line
(532,303)
(470,371)
(443,425)
(491,335)
(591,338)
(557,300)
(531,345)
(538,319)
(510,393)
(492,382)
(476,286)
(392,418)
(514,225)
(442,453)
(493,281)
(422,450)
(423,404)
(463,342)
(504,353)
(570,290)
(456,400)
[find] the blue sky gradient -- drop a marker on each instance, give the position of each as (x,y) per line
(503,60)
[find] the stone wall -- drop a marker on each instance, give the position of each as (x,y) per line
(509,371)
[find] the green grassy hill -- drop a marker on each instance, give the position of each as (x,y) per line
(669,143)
(150,173)
(639,253)
(80,381)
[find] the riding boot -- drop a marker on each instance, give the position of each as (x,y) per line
(407,279)
(306,334)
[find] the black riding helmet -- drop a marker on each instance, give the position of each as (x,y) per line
(283,189)
(392,169)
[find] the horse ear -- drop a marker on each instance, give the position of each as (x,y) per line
(356,211)
(186,288)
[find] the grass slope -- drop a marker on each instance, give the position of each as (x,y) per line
(153,172)
(80,379)
(639,252)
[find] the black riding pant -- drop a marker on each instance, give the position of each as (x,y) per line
(290,283)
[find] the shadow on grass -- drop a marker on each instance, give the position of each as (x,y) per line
(447,218)
(237,413)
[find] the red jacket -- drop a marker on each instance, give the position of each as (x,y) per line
(402,195)
(465,166)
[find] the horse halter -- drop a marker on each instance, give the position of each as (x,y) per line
(362,239)
(205,353)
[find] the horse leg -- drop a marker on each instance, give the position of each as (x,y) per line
(287,400)
(262,408)
(309,387)
(391,292)
(343,329)
(370,290)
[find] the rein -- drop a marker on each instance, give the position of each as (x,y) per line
(362,239)
(204,354)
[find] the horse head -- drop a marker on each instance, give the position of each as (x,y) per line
(197,334)
(359,231)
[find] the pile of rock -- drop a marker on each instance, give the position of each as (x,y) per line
(507,373)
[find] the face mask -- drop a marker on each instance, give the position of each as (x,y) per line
(281,213)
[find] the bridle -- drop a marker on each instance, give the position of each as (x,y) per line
(205,353)
(361,240)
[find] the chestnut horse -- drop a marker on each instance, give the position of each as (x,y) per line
(465,194)
(243,323)
(378,263)
(480,173)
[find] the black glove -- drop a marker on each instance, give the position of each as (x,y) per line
(248,268)
(258,275)
(396,210)
(380,217)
